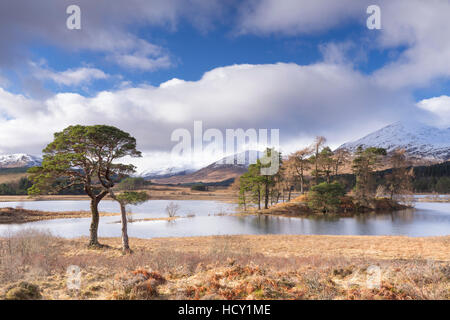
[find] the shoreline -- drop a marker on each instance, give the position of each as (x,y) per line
(181,193)
(9,215)
(20,216)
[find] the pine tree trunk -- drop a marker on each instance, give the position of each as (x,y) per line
(266,197)
(93,242)
(259,199)
(317,168)
(301,184)
(125,243)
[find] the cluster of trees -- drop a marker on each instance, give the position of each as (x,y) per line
(15,188)
(255,187)
(199,187)
(434,178)
(318,161)
(133,183)
(317,169)
(299,171)
(61,186)
(88,157)
(432,184)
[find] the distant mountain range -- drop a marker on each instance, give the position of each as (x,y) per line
(424,143)
(226,168)
(419,141)
(19,160)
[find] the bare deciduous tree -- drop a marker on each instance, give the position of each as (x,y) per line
(172,209)
(318,144)
(297,164)
(340,157)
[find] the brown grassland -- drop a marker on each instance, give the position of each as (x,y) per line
(33,265)
(156,192)
(11,177)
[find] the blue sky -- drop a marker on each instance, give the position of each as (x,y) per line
(194,52)
(306,68)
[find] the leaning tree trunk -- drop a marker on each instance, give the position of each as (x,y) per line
(123,213)
(125,243)
(93,242)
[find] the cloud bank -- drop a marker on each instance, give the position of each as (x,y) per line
(301,101)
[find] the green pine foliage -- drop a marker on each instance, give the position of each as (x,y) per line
(325,197)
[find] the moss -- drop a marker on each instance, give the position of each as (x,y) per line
(23,291)
(258,294)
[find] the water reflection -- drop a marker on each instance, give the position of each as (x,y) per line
(428,219)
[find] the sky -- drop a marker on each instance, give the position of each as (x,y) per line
(150,67)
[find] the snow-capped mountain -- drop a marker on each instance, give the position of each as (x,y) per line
(19,160)
(225,169)
(166,172)
(419,140)
(238,162)
(242,159)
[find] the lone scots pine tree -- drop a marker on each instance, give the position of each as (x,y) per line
(85,156)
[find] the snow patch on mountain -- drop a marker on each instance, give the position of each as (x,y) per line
(19,160)
(165,172)
(239,160)
(419,140)
(242,159)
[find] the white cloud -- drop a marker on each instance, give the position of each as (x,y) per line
(70,77)
(439,107)
(293,17)
(301,101)
(423,27)
(418,28)
(142,55)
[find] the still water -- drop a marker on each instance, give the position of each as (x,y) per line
(428,219)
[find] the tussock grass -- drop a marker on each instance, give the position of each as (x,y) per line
(226,267)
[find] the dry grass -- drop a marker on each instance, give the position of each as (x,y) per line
(156,192)
(230,267)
